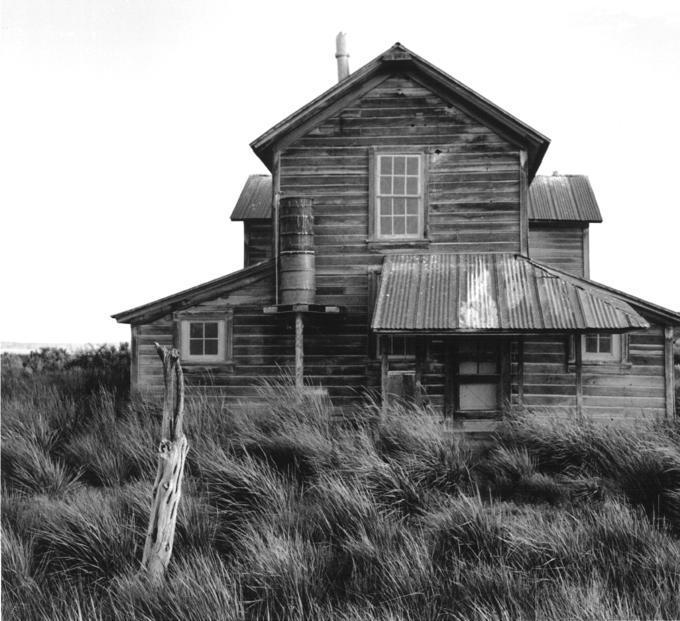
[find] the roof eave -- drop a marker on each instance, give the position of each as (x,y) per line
(194,295)
(659,312)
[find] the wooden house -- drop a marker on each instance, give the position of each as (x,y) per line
(405,244)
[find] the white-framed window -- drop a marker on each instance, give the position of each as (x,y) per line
(601,346)
(206,339)
(398,201)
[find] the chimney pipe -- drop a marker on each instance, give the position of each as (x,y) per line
(342,56)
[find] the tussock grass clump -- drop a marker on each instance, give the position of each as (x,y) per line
(290,511)
(641,464)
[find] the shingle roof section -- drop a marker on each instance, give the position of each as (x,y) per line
(255,201)
(490,292)
(567,198)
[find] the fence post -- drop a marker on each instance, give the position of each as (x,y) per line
(172,452)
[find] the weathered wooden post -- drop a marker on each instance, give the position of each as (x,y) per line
(172,452)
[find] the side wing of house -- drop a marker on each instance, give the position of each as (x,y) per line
(561,208)
(226,343)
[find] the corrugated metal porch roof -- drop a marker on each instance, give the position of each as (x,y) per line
(440,293)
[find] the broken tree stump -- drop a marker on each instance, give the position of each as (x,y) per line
(172,452)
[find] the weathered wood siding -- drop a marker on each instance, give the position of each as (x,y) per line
(257,241)
(258,345)
(559,246)
(473,194)
(632,389)
(263,346)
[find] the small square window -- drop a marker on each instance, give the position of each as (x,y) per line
(206,340)
(601,346)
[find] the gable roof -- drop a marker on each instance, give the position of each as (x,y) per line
(195,295)
(565,198)
(400,59)
(445,293)
(255,201)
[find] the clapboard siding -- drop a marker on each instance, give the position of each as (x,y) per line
(263,347)
(631,390)
(473,194)
(257,241)
(559,246)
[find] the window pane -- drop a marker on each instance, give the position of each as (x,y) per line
(605,343)
(398,185)
(196,330)
(211,330)
(399,165)
(412,165)
(487,368)
(412,206)
(478,396)
(412,225)
(385,206)
(412,185)
(386,185)
(467,368)
(399,226)
(195,347)
(211,347)
(399,206)
(397,345)
(591,343)
(385,164)
(386,225)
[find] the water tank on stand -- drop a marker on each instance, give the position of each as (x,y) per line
(297,278)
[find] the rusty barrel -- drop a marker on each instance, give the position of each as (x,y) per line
(297,278)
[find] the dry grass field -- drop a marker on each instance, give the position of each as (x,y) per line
(291,513)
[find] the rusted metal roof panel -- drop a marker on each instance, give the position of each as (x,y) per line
(491,292)
(566,198)
(255,201)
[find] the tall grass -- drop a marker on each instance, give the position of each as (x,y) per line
(291,512)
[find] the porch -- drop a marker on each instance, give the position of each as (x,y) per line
(456,332)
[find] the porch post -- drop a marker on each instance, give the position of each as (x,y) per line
(520,371)
(669,372)
(299,350)
(384,368)
(578,370)
(420,356)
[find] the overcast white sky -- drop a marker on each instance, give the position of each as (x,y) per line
(125,124)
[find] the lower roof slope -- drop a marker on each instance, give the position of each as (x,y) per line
(439,293)
(195,295)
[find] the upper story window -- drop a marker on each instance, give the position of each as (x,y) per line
(399,212)
(206,339)
(601,346)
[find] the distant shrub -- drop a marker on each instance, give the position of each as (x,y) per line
(75,374)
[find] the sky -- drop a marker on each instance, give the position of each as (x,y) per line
(125,128)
